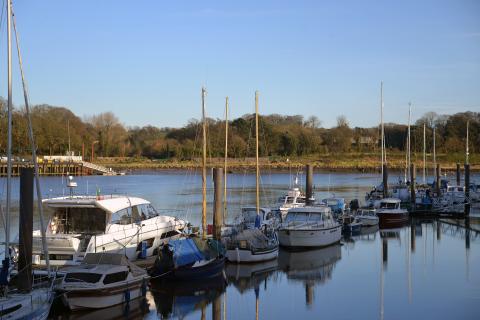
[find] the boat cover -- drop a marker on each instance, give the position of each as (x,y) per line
(185,252)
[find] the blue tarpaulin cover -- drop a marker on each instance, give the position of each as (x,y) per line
(185,252)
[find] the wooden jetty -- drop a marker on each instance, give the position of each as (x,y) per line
(59,168)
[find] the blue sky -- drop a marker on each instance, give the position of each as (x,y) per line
(147,60)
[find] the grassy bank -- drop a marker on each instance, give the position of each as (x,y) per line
(347,161)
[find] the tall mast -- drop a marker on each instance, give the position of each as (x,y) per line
(424,154)
(408,145)
(9,131)
(434,152)
(204,168)
(34,149)
(225,164)
(466,152)
(381,123)
(256,155)
(68,132)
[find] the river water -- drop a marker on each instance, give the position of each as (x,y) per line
(428,269)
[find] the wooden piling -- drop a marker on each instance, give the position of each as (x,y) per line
(309,184)
(458,174)
(385,181)
(24,278)
(467,189)
(217,308)
(217,199)
(413,175)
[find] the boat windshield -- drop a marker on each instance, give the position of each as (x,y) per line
(305,217)
(78,220)
(388,205)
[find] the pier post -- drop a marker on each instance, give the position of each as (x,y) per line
(385,181)
(413,175)
(437,180)
(24,276)
(467,189)
(458,174)
(217,199)
(217,308)
(309,184)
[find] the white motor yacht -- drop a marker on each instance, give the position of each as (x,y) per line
(309,227)
(116,224)
(102,280)
(294,198)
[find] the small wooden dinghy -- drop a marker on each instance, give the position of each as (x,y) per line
(102,280)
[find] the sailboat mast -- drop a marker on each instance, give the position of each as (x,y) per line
(9,131)
(424,154)
(381,123)
(434,152)
(256,156)
(34,148)
(409,135)
(466,151)
(225,164)
(204,167)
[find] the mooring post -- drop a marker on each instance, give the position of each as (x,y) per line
(467,189)
(413,175)
(309,184)
(458,174)
(25,230)
(437,180)
(385,181)
(217,308)
(217,199)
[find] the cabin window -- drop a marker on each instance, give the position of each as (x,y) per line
(122,217)
(83,277)
(300,200)
(388,205)
(460,189)
(78,220)
(290,199)
(315,217)
(151,212)
(115,277)
(136,214)
(297,217)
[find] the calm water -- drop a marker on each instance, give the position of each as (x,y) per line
(429,269)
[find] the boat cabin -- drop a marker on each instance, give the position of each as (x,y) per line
(94,215)
(293,196)
(249,215)
(390,203)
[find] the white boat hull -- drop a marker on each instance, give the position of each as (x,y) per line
(310,237)
(244,255)
(33,306)
(78,300)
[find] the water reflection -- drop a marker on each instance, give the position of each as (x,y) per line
(310,267)
(177,299)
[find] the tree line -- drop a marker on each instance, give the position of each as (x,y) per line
(57,129)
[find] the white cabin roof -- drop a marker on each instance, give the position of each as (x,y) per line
(110,204)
